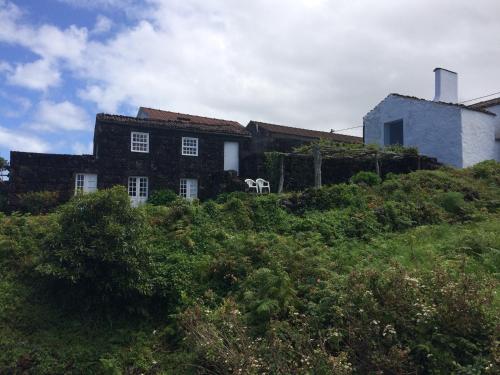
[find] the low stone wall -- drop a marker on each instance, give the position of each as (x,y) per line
(46,172)
(299,169)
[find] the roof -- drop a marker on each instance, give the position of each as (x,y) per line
(307,133)
(158,114)
(197,124)
(445,103)
(485,104)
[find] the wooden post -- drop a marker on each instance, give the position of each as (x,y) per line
(377,164)
(317,167)
(282,174)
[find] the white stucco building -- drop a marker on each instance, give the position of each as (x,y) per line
(455,134)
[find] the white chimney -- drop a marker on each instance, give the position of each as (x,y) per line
(446,86)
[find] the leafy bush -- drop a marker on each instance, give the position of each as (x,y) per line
(367,178)
(38,202)
(162,197)
(99,249)
(453,202)
(328,197)
(402,150)
(488,170)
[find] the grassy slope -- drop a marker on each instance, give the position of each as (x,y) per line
(198,247)
(37,335)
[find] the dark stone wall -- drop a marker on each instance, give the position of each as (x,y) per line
(114,162)
(46,172)
(164,165)
(299,169)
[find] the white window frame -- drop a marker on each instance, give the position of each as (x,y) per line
(139,145)
(186,188)
(138,189)
(189,149)
(81,183)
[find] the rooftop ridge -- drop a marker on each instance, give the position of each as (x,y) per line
(224,128)
(485,103)
(443,103)
(308,133)
(187,115)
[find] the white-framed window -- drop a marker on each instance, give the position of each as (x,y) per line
(189,188)
(139,142)
(85,183)
(189,146)
(79,183)
(138,189)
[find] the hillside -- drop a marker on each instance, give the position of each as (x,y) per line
(396,277)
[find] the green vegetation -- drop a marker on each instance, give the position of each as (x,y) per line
(397,277)
(162,197)
(38,202)
(367,178)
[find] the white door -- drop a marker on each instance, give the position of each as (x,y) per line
(85,183)
(231,156)
(90,183)
(189,188)
(138,190)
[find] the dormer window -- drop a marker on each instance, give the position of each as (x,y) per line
(189,146)
(139,142)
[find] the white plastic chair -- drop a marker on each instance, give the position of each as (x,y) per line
(252,185)
(263,184)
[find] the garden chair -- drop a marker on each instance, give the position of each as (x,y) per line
(252,185)
(263,184)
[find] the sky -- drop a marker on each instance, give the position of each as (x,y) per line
(317,64)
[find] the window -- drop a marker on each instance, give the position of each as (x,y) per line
(138,190)
(189,188)
(189,146)
(85,183)
(139,142)
(393,133)
(79,183)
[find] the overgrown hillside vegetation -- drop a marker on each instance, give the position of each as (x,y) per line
(373,277)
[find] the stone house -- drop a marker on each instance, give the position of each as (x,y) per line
(455,134)
(192,155)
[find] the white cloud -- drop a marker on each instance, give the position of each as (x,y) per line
(80,148)
(65,115)
(311,63)
(102,25)
(12,140)
(38,75)
(46,40)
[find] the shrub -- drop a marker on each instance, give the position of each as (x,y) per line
(329,197)
(489,170)
(411,151)
(366,178)
(453,202)
(99,250)
(162,197)
(38,202)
